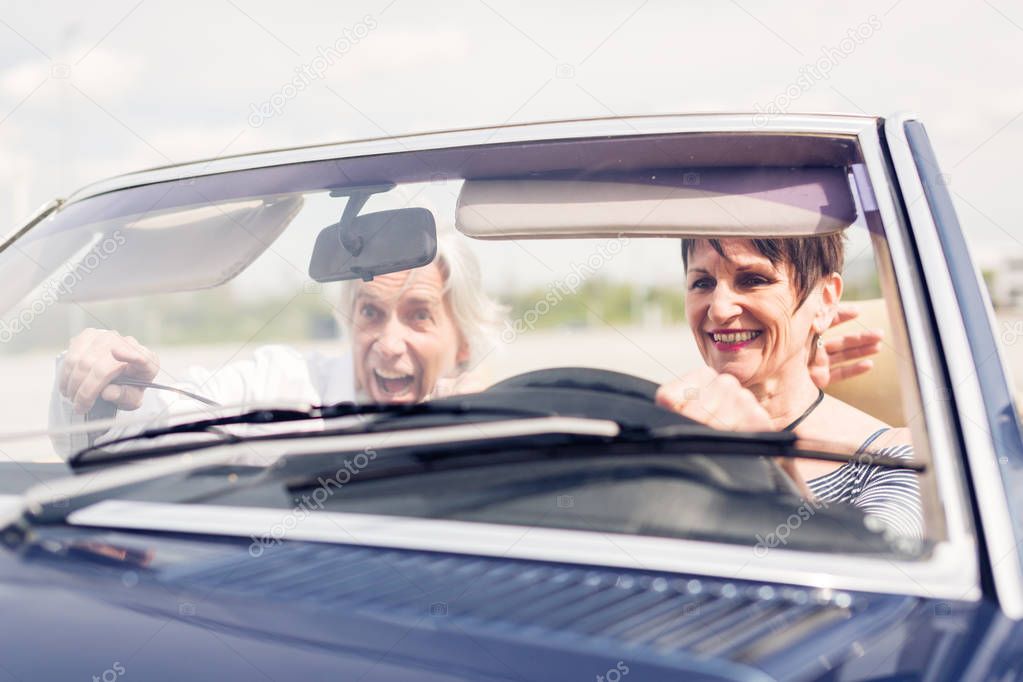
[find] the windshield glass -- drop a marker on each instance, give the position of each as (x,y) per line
(726,279)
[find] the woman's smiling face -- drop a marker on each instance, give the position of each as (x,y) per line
(745,314)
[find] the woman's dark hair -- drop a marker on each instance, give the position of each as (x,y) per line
(809,258)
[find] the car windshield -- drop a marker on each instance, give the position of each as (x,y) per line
(619,265)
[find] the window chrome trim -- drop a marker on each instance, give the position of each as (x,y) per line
(816,124)
(644,553)
(981,454)
(940,424)
(37,217)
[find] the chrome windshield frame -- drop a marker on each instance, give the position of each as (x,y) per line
(964,393)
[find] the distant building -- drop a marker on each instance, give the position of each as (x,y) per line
(1004,276)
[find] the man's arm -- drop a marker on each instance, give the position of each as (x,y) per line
(273,373)
(63,414)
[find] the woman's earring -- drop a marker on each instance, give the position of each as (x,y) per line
(820,341)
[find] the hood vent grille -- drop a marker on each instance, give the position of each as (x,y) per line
(663,614)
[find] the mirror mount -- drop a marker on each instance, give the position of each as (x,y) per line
(357,198)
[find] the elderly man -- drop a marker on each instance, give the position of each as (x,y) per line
(415,335)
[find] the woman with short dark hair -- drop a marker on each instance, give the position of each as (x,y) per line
(757,309)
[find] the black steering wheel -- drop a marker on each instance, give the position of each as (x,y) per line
(628,399)
(583,392)
(586,378)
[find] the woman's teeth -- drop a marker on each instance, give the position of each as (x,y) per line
(734,337)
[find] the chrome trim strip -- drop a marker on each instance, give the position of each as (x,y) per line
(821,124)
(982,456)
(813,569)
(959,561)
(40,214)
(939,423)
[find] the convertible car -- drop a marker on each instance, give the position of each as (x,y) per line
(393,409)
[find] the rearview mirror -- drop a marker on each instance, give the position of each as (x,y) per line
(374,244)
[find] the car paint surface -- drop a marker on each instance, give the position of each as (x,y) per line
(180,607)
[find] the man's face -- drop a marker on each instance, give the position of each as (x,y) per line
(405,337)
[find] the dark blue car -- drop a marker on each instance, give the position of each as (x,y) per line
(709,397)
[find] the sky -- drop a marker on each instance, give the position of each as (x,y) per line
(92,90)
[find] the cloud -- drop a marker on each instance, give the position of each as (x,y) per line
(108,73)
(17,168)
(385,50)
(103,74)
(424,68)
(18,81)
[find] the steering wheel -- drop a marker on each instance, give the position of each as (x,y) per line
(587,391)
(586,378)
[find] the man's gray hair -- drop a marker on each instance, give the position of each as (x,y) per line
(476,315)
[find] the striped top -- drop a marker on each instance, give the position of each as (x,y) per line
(892,495)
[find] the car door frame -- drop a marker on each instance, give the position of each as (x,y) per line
(982,399)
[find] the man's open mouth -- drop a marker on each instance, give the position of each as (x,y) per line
(393,383)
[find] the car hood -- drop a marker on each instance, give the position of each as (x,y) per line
(175,606)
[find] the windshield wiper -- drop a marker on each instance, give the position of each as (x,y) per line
(385,413)
(128,381)
(683,440)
